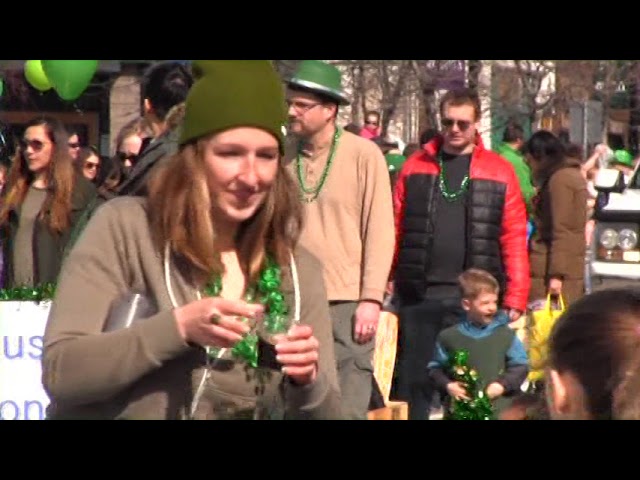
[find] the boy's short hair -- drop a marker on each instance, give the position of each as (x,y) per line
(475,281)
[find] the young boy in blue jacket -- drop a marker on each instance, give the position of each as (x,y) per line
(495,352)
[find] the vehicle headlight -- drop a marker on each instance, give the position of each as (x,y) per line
(609,238)
(627,239)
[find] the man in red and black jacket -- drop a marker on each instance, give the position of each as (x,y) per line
(457,206)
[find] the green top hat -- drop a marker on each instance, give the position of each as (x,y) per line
(320,77)
(622,157)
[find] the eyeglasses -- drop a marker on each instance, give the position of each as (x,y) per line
(301,107)
(463,125)
(74,145)
(91,166)
(36,145)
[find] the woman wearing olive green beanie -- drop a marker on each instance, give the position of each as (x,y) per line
(214,248)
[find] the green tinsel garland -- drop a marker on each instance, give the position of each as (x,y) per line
(39,293)
(479,406)
(276,309)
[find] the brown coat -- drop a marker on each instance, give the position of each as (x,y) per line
(558,245)
(147,371)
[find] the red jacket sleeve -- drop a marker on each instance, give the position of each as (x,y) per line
(398,213)
(513,243)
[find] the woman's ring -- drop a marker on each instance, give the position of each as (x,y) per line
(215,319)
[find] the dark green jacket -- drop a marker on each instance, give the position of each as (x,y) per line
(48,247)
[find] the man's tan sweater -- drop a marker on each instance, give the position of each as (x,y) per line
(349,227)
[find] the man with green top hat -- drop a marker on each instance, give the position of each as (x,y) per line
(344,185)
(623,161)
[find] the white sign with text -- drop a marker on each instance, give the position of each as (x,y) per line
(22,327)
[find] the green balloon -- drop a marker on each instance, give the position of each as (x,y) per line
(70,78)
(35,75)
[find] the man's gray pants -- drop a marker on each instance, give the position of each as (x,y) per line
(354,361)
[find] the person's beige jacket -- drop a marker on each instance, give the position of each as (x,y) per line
(147,371)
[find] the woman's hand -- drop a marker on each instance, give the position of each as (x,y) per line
(297,351)
(215,321)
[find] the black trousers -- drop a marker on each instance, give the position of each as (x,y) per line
(419,327)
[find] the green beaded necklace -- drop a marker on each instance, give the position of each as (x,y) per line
(448,195)
(276,310)
(315,191)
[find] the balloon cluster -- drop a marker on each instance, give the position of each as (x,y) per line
(69,78)
(479,406)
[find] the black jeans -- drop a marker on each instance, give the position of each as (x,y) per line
(420,325)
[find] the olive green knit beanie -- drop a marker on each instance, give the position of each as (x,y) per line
(234,93)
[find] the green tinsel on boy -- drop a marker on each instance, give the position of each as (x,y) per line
(479,406)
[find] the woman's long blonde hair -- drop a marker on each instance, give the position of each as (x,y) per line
(181,204)
(60,179)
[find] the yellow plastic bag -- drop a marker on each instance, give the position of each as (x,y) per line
(540,324)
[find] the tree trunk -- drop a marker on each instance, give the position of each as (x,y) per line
(362,87)
(426,85)
(391,92)
(473,74)
(356,73)
(286,68)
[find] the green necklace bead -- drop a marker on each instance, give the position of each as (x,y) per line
(309,194)
(266,291)
(448,195)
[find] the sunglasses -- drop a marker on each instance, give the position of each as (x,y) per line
(91,165)
(371,123)
(36,145)
(74,145)
(123,156)
(463,125)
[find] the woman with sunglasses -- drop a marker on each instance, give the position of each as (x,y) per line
(41,202)
(213,246)
(129,143)
(89,163)
(371,127)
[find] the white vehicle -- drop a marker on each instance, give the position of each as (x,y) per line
(614,259)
